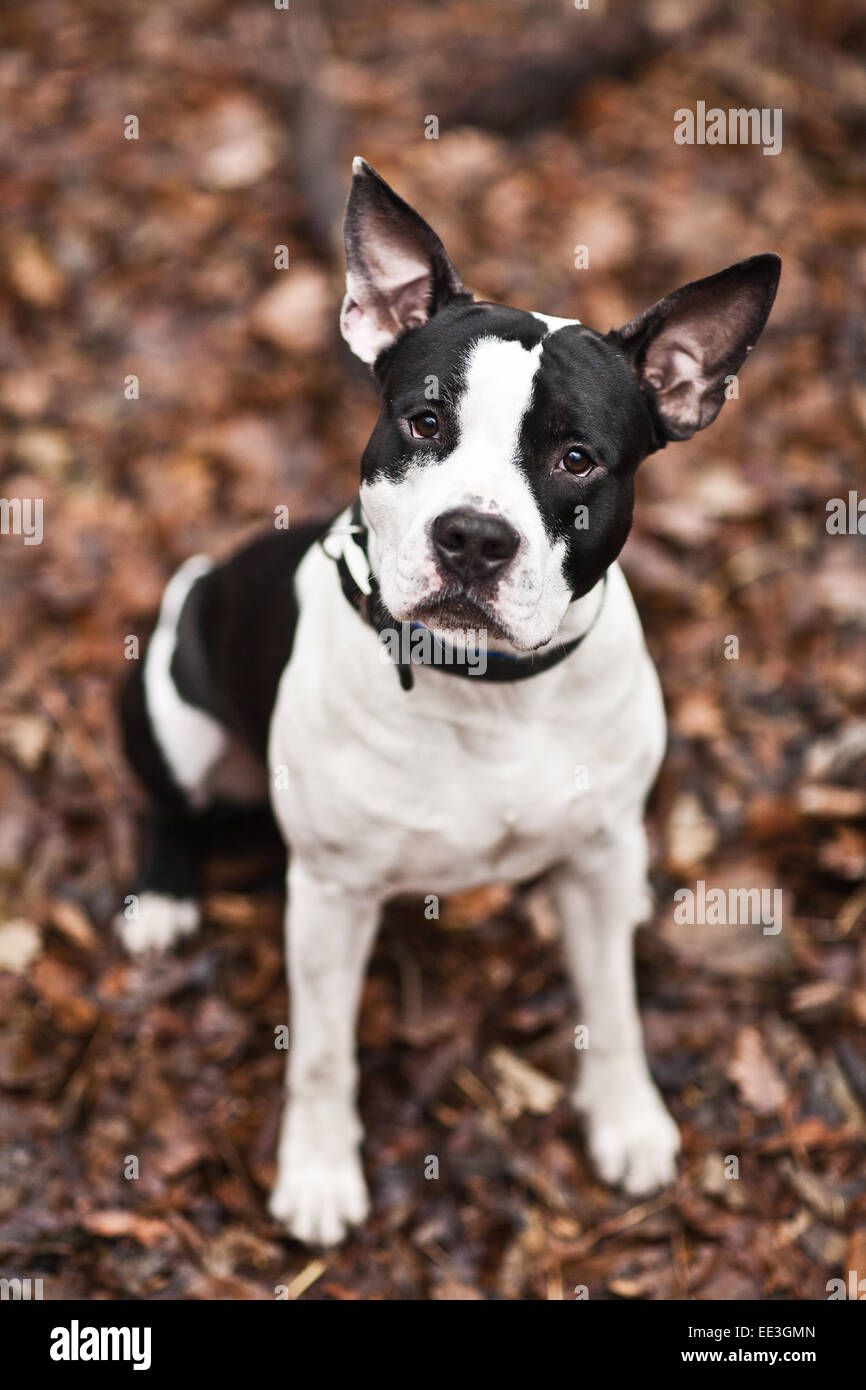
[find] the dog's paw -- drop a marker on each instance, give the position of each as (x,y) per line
(632,1140)
(160,922)
(318,1202)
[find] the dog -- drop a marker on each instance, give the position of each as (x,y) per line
(496,494)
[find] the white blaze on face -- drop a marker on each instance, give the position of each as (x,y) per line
(481,472)
(554,324)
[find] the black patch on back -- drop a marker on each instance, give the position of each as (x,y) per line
(236,631)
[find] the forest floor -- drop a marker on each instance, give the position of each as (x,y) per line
(154,258)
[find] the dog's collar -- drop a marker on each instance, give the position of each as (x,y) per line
(346,545)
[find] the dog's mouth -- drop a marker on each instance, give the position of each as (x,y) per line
(457,612)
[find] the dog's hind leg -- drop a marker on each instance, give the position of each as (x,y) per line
(173,747)
(163,905)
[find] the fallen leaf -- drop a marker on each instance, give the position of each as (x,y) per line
(755,1075)
(519,1087)
(19,945)
(117,1222)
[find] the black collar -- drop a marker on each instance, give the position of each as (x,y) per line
(348,550)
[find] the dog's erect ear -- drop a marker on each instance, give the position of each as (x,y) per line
(398,272)
(685,347)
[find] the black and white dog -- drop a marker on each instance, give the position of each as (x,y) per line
(496,494)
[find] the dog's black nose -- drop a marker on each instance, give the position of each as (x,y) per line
(472,545)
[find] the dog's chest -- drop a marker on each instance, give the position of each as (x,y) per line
(451,807)
(477,803)
(457,782)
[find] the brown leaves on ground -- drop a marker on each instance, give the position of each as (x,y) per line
(758,1081)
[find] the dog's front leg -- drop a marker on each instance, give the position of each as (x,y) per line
(320,1188)
(631,1137)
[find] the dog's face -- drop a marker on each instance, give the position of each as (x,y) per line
(498,483)
(473,491)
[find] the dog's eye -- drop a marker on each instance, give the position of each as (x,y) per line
(424,425)
(577,463)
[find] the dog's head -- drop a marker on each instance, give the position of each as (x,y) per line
(498,483)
